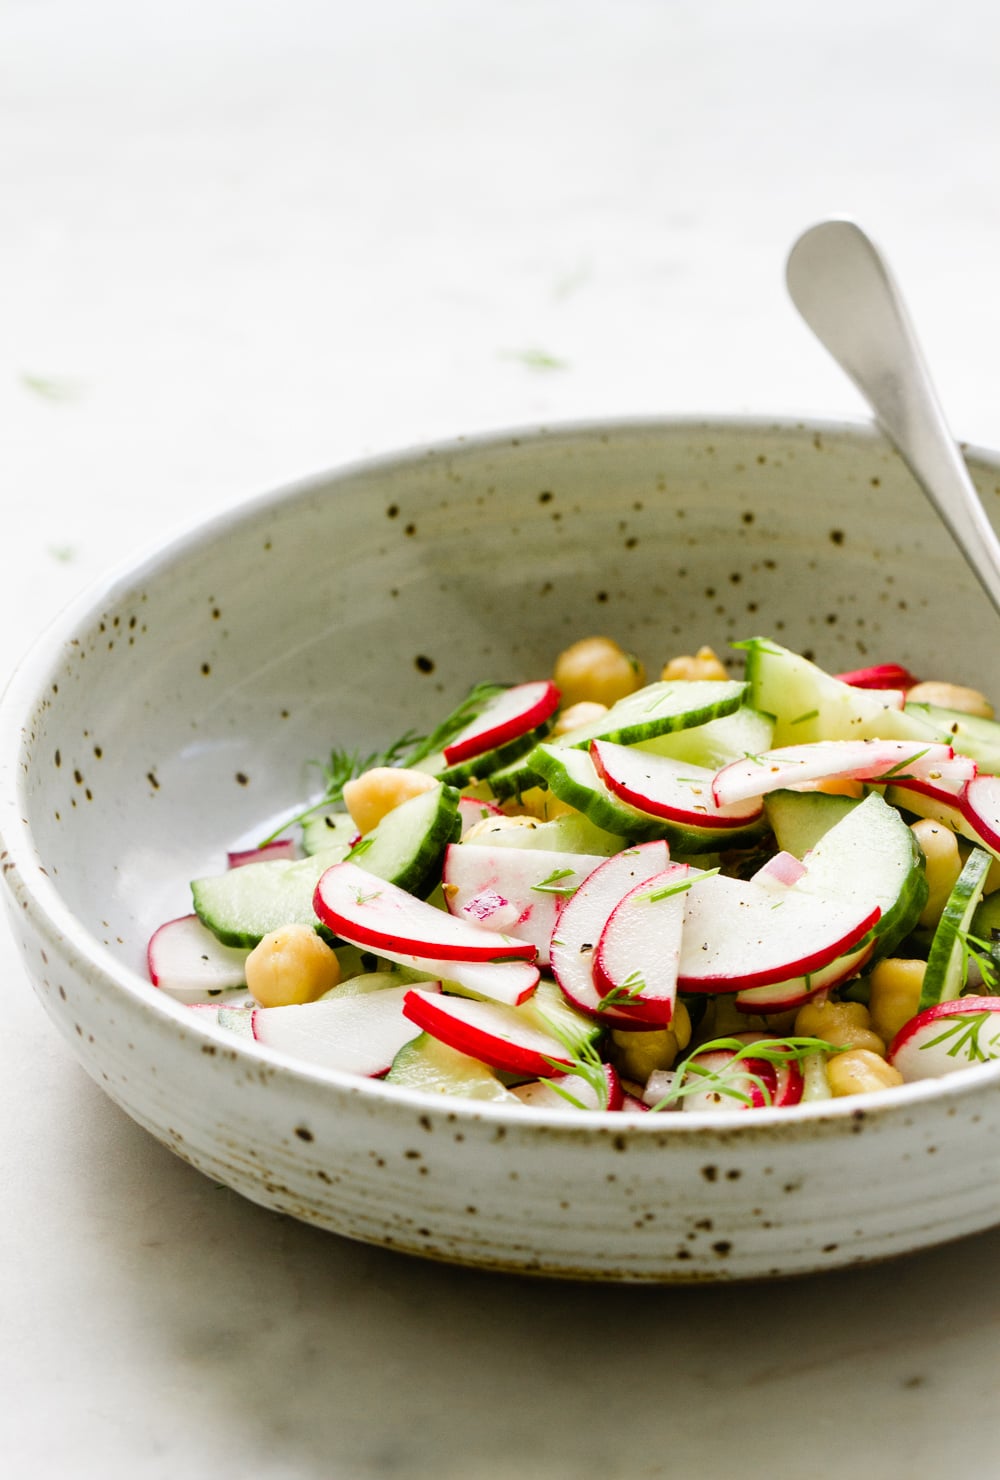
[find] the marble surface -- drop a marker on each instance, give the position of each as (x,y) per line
(244,242)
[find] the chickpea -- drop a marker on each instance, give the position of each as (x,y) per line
(638,1055)
(896,984)
(857,1072)
(598,671)
(844,1024)
(942,866)
(375,793)
(291,965)
(703,665)
(951,696)
(582,713)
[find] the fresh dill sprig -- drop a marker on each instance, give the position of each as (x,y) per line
(585,1062)
(983,953)
(777,1051)
(625,993)
(965,1030)
(345,765)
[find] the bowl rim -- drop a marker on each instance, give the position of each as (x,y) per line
(52,917)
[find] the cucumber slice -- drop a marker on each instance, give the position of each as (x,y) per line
(507,781)
(407,846)
(970,734)
(871,854)
(809,704)
(427,1064)
(987,917)
(243,905)
(571,832)
(326,830)
(480,767)
(800,818)
(572,776)
(658,709)
(945,974)
(744,732)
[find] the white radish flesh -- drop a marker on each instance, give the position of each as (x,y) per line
(368,912)
(575,939)
(520,890)
(635,964)
(186,961)
(794,766)
(358,1035)
(664,787)
(739,935)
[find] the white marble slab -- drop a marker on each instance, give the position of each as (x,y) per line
(240,242)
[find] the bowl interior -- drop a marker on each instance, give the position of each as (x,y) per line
(176,716)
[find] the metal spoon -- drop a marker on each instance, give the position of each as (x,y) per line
(843,288)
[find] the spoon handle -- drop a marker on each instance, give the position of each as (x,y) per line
(843,288)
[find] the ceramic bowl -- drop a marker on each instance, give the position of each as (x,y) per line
(172,710)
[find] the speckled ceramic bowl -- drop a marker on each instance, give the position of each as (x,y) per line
(166,715)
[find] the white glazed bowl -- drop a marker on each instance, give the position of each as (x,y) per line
(167,714)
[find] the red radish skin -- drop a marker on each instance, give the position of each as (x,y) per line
(663,787)
(278,848)
(759,1096)
(980,805)
(515,712)
(575,939)
(793,766)
(915,1053)
(368,912)
(356,1035)
(185,960)
(487,1032)
(736,936)
(640,945)
(879,676)
(783,996)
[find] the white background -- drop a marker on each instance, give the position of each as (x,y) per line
(240,242)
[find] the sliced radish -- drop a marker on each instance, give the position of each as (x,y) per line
(584,916)
(471,811)
(980,805)
(544,1093)
(185,960)
(368,912)
(516,711)
(945,781)
(522,890)
(946,1037)
(277,848)
(497,1036)
(789,1080)
(509,982)
(746,1084)
(664,787)
(635,964)
(879,676)
(359,1035)
(632,1104)
(737,934)
(782,996)
(825,760)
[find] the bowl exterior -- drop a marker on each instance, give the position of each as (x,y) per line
(143,779)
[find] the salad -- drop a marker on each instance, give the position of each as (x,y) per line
(595,892)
